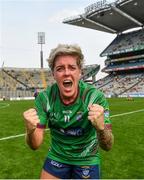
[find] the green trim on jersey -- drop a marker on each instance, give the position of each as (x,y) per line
(73,138)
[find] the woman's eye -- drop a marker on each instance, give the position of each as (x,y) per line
(59,69)
(73,68)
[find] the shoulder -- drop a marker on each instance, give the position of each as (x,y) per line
(48,90)
(45,98)
(91,94)
(46,93)
(83,85)
(89,88)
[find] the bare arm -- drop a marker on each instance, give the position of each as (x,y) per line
(105,136)
(34,135)
(106,139)
(34,139)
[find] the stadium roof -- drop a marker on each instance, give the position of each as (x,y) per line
(111,17)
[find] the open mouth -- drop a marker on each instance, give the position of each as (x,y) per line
(67,83)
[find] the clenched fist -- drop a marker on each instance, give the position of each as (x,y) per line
(96,116)
(31,118)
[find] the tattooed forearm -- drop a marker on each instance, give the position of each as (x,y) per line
(106,139)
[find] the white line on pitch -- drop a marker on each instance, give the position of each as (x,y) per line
(15,136)
(11,137)
(116,115)
(122,114)
(4,105)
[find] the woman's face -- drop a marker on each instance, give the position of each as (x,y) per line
(67,74)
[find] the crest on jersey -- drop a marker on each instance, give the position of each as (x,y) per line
(79,116)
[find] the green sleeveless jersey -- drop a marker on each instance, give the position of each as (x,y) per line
(73,138)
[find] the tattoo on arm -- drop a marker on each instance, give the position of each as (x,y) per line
(106,139)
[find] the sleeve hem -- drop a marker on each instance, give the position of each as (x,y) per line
(108,126)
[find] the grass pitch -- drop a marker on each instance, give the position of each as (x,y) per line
(124,161)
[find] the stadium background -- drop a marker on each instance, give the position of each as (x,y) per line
(124,65)
(124,61)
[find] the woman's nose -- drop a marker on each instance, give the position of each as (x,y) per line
(67,71)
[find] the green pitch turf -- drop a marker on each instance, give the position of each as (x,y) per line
(124,161)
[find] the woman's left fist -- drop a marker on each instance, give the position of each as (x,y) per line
(96,116)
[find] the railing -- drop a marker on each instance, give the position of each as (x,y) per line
(102,4)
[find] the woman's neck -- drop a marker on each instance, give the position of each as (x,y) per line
(69,100)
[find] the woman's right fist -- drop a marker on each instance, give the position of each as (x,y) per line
(31,118)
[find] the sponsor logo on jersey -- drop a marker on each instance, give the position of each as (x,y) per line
(73,131)
(67,112)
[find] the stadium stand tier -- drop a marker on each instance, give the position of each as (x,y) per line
(124,61)
(22,83)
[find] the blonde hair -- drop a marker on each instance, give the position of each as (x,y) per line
(65,49)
